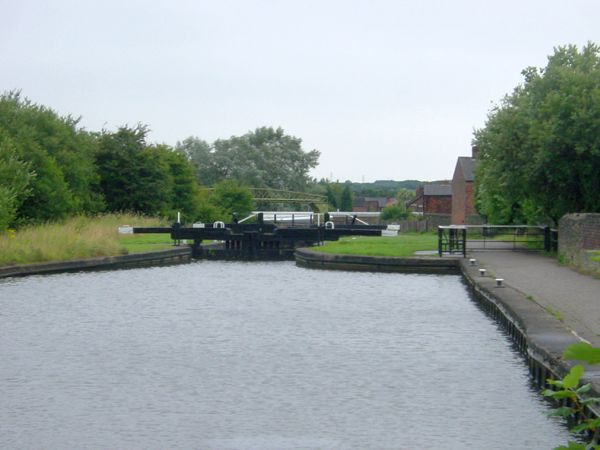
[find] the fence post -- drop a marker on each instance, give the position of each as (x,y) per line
(440,232)
(464,242)
(547,239)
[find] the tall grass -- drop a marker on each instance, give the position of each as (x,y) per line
(76,238)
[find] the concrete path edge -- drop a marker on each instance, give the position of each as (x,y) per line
(162,257)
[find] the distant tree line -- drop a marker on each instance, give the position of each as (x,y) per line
(378,188)
(341,195)
(385,188)
(539,152)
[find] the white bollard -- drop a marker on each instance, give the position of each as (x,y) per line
(473,261)
(499,282)
(482,272)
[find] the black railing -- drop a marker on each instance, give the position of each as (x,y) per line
(452,240)
(460,238)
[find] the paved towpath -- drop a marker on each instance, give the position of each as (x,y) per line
(554,287)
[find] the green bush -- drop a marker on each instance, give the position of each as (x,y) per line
(394,212)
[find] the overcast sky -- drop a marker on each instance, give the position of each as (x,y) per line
(383,89)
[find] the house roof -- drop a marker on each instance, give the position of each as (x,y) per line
(381,201)
(362,201)
(468,167)
(358,201)
(437,189)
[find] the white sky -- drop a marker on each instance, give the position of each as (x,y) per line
(384,89)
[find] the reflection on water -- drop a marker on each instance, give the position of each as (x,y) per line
(217,355)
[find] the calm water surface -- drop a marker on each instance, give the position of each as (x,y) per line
(216,355)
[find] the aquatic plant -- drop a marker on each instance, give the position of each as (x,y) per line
(575,398)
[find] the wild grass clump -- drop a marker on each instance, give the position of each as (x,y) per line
(75,238)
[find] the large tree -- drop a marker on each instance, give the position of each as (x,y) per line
(198,152)
(60,153)
(346,198)
(16,176)
(539,152)
(184,190)
(150,179)
(333,193)
(266,157)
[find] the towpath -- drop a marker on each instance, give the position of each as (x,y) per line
(558,289)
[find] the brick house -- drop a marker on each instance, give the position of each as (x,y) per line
(372,204)
(434,202)
(463,191)
(432,199)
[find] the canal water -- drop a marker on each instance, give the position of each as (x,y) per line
(231,355)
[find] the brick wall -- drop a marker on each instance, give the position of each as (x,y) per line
(437,204)
(578,234)
(470,199)
(458,197)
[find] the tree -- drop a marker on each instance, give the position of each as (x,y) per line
(150,179)
(198,152)
(50,197)
(265,158)
(228,198)
(232,198)
(15,180)
(333,194)
(404,196)
(539,152)
(206,211)
(394,212)
(184,191)
(59,152)
(346,198)
(118,161)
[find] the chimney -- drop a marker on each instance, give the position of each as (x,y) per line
(474,151)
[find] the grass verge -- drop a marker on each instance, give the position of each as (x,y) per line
(403,245)
(77,238)
(137,243)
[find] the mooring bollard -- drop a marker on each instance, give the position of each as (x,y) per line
(499,282)
(482,272)
(473,261)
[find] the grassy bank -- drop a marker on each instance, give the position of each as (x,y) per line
(403,245)
(78,238)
